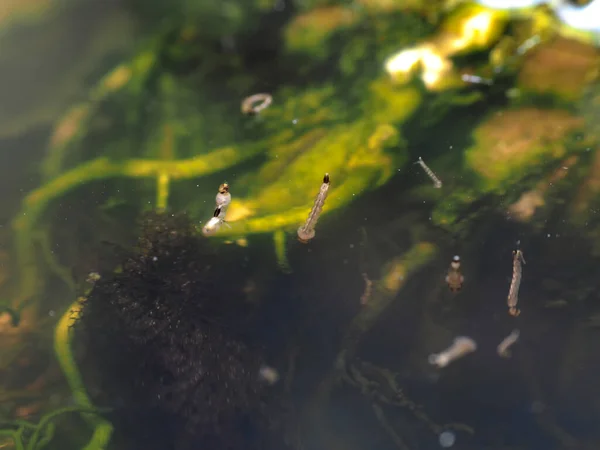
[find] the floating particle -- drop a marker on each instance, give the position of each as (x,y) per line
(447,439)
(268,374)
(93,277)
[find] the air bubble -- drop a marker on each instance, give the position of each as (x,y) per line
(447,439)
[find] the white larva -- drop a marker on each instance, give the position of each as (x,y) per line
(222,201)
(461,346)
(437,183)
(507,342)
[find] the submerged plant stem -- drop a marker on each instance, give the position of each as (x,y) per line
(62,347)
(280,251)
(162,191)
(101,168)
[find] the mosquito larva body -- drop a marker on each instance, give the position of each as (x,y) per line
(513,292)
(307,231)
(461,346)
(437,183)
(507,342)
(223,198)
(222,201)
(454,278)
(254,104)
(364,298)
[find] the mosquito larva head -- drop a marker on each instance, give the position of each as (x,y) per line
(326,178)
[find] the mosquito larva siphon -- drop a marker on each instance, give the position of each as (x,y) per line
(307,231)
(437,183)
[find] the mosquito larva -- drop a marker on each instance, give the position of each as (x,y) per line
(437,183)
(461,346)
(507,342)
(223,198)
(307,231)
(222,201)
(513,292)
(254,104)
(454,278)
(364,298)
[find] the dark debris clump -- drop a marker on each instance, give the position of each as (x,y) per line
(161,336)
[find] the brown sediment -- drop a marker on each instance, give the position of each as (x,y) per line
(524,208)
(562,66)
(4,266)
(324,18)
(29,410)
(117,78)
(513,138)
(68,126)
(12,8)
(394,5)
(590,186)
(311,29)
